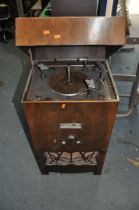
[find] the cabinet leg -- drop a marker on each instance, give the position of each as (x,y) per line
(99,167)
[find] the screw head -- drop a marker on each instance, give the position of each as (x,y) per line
(71,137)
(63,142)
(78,142)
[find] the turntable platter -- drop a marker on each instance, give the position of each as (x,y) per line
(58,82)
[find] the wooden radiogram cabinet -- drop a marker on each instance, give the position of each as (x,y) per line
(70,99)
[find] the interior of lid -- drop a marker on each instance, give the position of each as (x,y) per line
(67,52)
(74,31)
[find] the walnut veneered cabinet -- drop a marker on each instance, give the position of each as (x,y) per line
(70,99)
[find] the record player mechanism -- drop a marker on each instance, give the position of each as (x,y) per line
(72,80)
(67,83)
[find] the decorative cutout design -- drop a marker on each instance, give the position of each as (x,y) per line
(73,158)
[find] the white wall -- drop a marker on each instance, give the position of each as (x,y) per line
(133,7)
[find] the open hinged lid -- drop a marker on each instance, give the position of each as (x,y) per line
(71,33)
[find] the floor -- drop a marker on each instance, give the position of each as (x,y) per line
(22,187)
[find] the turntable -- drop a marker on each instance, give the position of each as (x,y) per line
(71,81)
(70,100)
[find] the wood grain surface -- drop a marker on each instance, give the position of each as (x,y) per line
(56,31)
(43,121)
